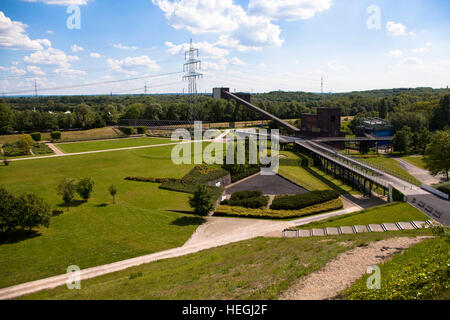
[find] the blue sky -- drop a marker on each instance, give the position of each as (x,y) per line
(252,45)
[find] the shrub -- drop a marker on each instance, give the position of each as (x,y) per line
(201,201)
(128,131)
(444,187)
(245,195)
(397,196)
(13,150)
(247,199)
(36,136)
(25,142)
(141,130)
(85,187)
(55,135)
(244,174)
(150,179)
(236,211)
(300,201)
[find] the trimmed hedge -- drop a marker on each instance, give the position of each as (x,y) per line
(150,179)
(247,199)
(397,196)
(128,131)
(244,174)
(239,195)
(55,135)
(36,136)
(231,211)
(304,200)
(141,130)
(12,150)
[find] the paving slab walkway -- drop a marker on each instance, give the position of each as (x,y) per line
(331,231)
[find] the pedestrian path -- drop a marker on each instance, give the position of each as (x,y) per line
(334,231)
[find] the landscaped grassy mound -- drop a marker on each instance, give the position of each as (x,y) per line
(304,200)
(230,211)
(421,272)
(247,199)
(444,187)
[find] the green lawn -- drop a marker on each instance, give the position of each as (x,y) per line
(417,161)
(310,178)
(421,272)
(96,232)
(110,144)
(393,212)
(260,268)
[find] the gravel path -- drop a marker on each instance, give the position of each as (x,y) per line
(341,273)
(420,174)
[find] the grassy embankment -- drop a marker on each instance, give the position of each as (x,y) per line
(260,268)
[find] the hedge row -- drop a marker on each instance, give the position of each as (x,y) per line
(444,187)
(244,174)
(13,150)
(231,211)
(150,179)
(247,199)
(304,200)
(42,148)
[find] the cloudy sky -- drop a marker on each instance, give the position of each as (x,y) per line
(247,45)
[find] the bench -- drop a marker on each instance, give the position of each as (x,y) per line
(421,204)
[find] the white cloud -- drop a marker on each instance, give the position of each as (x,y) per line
(120,46)
(35,70)
(13,36)
(95,55)
(397,29)
(288,9)
(61,2)
(50,56)
(395,53)
(17,71)
(129,64)
(238,62)
(69,72)
(205,47)
(76,48)
(412,60)
(226,41)
(49,32)
(221,16)
(423,49)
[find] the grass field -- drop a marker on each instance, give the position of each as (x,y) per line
(393,212)
(260,268)
(96,232)
(110,144)
(417,161)
(99,133)
(310,178)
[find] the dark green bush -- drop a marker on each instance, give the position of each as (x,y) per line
(150,179)
(245,195)
(13,150)
(397,195)
(244,174)
(141,130)
(42,148)
(128,131)
(55,135)
(304,200)
(444,187)
(36,136)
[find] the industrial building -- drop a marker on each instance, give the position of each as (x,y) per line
(326,123)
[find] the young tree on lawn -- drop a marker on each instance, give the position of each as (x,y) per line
(33,212)
(8,211)
(437,153)
(5,160)
(25,142)
(85,187)
(201,201)
(66,189)
(113,192)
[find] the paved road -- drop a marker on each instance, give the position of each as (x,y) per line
(216,232)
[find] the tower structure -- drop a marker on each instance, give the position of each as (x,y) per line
(190,68)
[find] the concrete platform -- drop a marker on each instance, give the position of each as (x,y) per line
(376,228)
(304,233)
(361,229)
(318,232)
(390,227)
(346,230)
(290,234)
(406,225)
(332,231)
